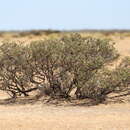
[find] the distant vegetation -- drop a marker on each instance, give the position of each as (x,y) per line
(62,65)
(19,34)
(49,32)
(37,32)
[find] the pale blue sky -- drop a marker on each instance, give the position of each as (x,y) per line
(64,14)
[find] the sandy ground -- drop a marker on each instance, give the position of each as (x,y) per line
(43,117)
(123,46)
(50,117)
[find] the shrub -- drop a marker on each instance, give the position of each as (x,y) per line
(13,67)
(69,62)
(60,65)
(105,82)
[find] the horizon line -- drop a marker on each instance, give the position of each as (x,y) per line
(62,30)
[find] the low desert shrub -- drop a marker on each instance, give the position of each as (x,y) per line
(69,62)
(61,65)
(13,67)
(107,81)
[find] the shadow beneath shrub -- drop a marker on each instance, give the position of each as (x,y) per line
(18,101)
(48,101)
(115,98)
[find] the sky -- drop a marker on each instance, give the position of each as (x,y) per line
(64,14)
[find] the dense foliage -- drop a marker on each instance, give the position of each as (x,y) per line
(58,66)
